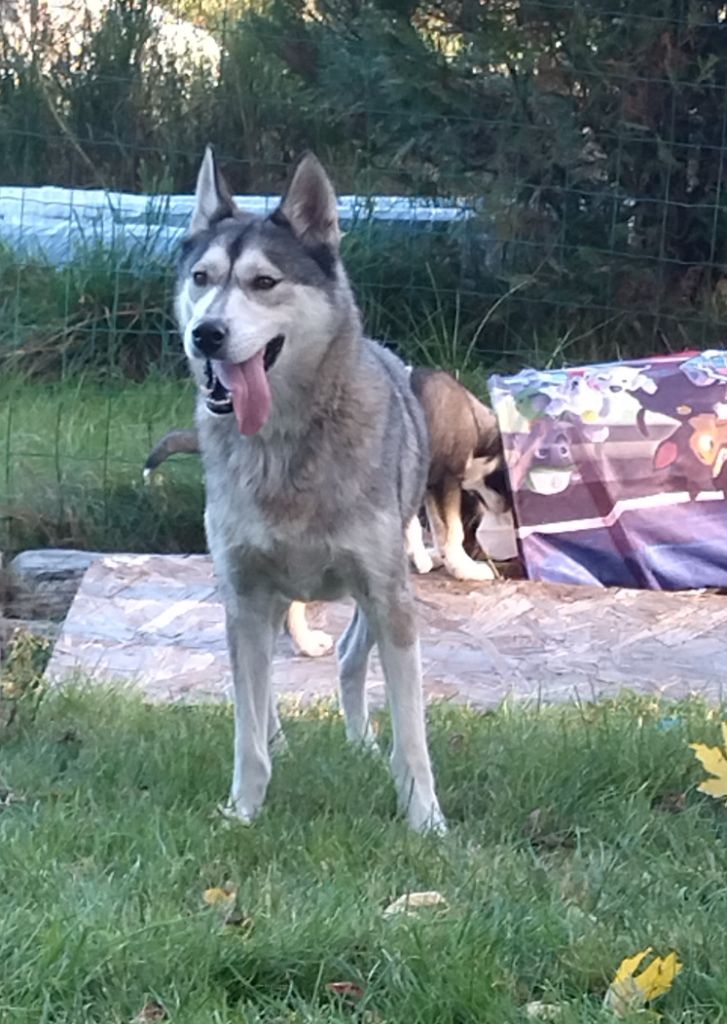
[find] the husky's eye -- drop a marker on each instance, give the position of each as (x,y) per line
(263,283)
(200,278)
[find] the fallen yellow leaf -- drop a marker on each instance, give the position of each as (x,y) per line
(715,763)
(629,992)
(410,902)
(658,977)
(630,964)
(217,896)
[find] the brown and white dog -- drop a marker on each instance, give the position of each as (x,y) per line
(465,461)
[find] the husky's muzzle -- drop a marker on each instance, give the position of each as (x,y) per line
(217,398)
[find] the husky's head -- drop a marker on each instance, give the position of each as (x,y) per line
(485,476)
(259,299)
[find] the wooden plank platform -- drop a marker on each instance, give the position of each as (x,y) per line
(155,621)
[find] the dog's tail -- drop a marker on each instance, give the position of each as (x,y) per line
(176,442)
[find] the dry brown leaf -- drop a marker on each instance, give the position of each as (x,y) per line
(349,991)
(410,902)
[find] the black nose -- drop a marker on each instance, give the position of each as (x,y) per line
(209,337)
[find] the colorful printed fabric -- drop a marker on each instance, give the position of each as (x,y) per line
(619,471)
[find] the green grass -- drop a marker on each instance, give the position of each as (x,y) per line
(71,455)
(105,311)
(111,837)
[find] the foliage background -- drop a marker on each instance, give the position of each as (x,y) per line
(587,135)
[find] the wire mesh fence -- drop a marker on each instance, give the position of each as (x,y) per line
(527,181)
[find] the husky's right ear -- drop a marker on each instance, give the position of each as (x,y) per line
(212,198)
(309,205)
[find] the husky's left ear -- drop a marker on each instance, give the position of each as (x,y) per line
(212,198)
(309,205)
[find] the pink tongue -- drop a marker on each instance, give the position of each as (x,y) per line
(249,390)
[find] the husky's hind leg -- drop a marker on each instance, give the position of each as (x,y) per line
(353,651)
(417,552)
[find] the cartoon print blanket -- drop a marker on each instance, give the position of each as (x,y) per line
(619,470)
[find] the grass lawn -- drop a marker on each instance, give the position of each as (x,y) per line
(577,838)
(71,455)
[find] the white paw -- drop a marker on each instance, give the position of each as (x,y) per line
(436,825)
(423,563)
(417,800)
(426,560)
(315,643)
(468,569)
(233,812)
(427,818)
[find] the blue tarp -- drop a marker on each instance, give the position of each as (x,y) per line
(54,222)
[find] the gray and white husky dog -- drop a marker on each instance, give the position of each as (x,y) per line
(315,458)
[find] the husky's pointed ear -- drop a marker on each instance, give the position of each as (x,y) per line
(212,198)
(309,205)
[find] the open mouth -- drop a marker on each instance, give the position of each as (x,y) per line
(218,398)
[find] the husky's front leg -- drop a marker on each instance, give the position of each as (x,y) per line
(394,619)
(456,560)
(252,624)
(415,549)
